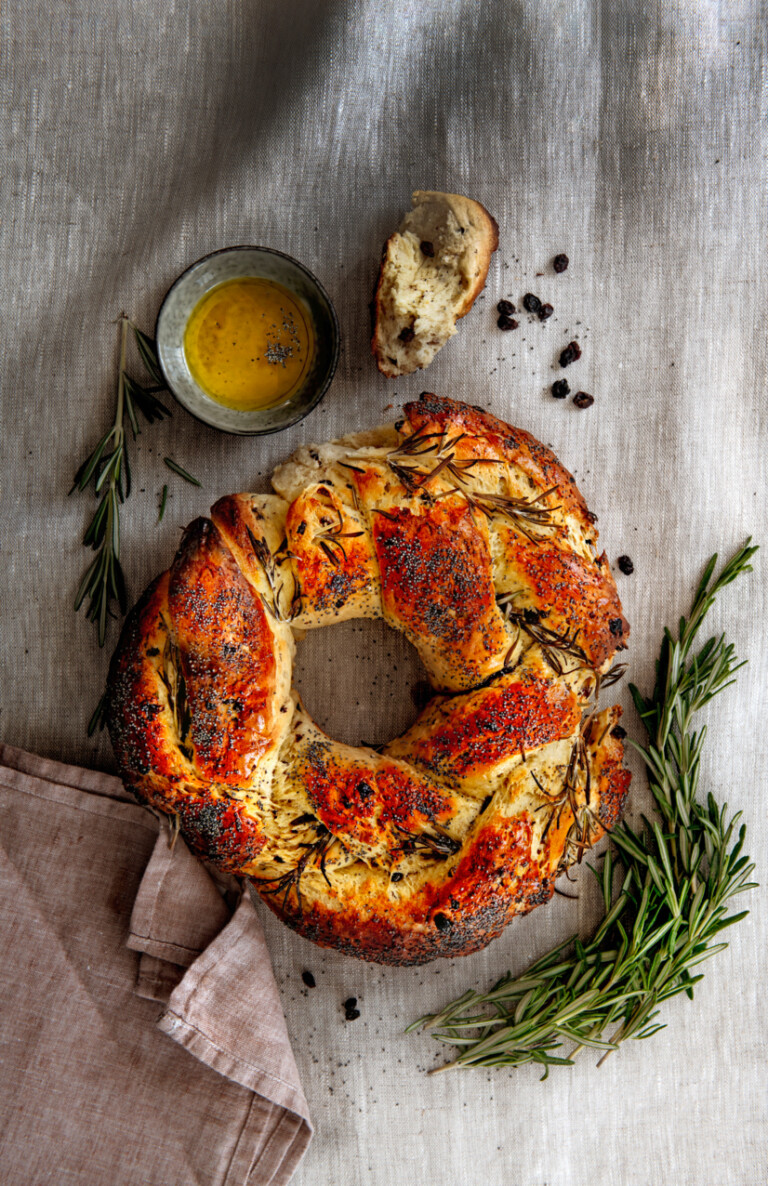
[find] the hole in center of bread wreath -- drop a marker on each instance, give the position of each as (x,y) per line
(360,681)
(471,540)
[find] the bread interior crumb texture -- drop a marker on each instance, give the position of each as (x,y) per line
(432,271)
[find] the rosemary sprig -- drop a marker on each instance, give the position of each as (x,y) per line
(266,560)
(556,648)
(679,875)
(331,539)
(291,881)
(528,516)
(108,469)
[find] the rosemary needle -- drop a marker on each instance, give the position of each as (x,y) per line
(98,720)
(163,500)
(178,469)
(678,875)
(107,467)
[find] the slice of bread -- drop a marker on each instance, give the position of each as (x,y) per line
(432,271)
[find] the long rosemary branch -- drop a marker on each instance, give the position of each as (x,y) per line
(679,875)
(107,467)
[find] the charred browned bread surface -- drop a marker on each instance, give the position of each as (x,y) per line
(469,537)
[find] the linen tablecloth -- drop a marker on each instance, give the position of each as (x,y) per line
(144,133)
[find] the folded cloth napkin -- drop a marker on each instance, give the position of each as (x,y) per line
(101,919)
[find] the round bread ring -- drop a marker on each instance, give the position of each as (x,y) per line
(469,537)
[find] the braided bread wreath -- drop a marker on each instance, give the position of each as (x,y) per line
(469,537)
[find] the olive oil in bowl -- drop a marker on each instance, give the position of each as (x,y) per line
(249,343)
(248,340)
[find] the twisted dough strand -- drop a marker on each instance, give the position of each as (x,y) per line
(469,537)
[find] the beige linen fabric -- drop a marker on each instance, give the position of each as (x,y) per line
(90,1092)
(633,136)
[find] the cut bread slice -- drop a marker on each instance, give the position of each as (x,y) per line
(432,271)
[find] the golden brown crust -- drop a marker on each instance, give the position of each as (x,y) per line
(227,657)
(488,436)
(333,555)
(464,740)
(470,538)
(150,739)
(437,587)
(572,597)
(490,884)
(138,729)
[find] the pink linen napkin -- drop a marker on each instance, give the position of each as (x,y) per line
(100,921)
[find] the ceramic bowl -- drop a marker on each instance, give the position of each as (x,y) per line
(234,263)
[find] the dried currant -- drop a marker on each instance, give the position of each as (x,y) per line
(560,263)
(626,565)
(570,354)
(583,399)
(505,322)
(506,307)
(545,312)
(561,388)
(531,303)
